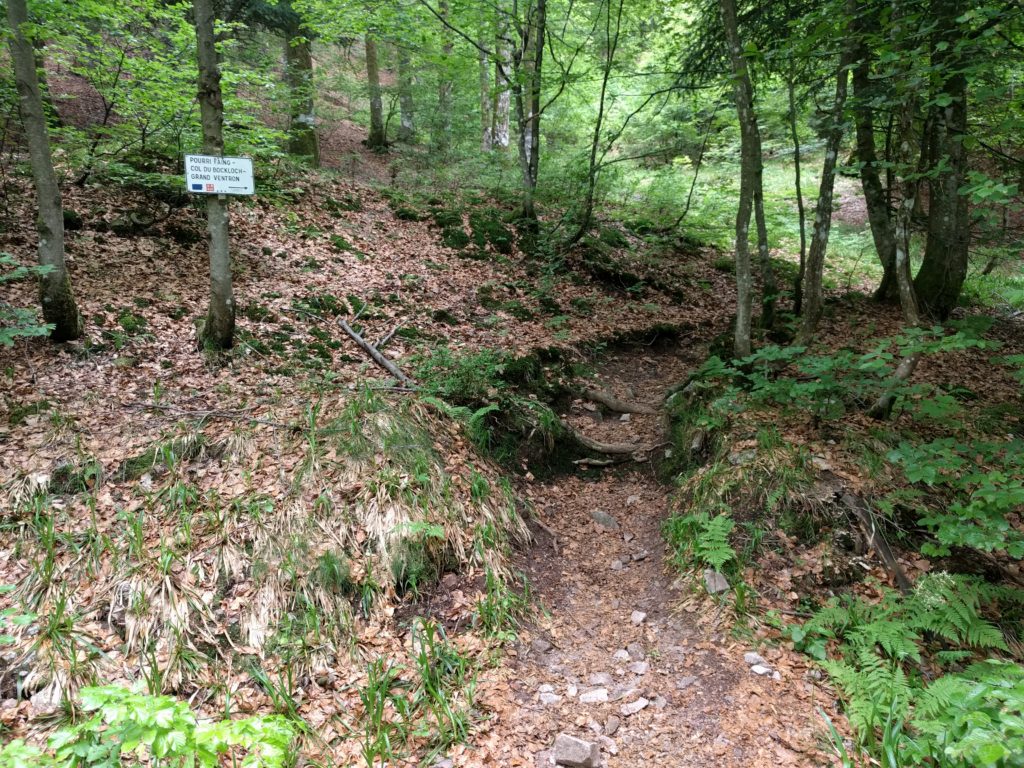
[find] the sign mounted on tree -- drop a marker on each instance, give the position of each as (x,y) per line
(211,175)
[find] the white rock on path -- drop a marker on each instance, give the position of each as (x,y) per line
(576,753)
(621,655)
(637,617)
(596,696)
(714,582)
(600,679)
(634,706)
(761,669)
(751,658)
(639,667)
(549,698)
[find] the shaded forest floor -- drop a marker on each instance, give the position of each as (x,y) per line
(183,509)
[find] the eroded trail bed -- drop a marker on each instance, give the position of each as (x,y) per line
(627,654)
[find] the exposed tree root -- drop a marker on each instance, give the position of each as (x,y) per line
(612,449)
(612,403)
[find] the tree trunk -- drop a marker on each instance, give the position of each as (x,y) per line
(376,141)
(501,96)
(219,329)
(486,118)
(798,283)
(56,297)
(443,137)
(539,27)
(406,107)
(823,212)
(906,182)
(743,96)
(876,198)
(302,136)
(611,44)
(769,288)
(944,267)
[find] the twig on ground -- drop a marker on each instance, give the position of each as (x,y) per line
(375,354)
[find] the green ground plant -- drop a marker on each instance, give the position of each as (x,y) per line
(122,728)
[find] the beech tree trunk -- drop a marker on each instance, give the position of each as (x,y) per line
(501,95)
(302,136)
(876,197)
(377,140)
(443,134)
(798,282)
(219,329)
(486,118)
(744,99)
(56,297)
(814,301)
(406,106)
(944,267)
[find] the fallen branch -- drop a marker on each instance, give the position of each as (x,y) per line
(866,518)
(375,354)
(882,409)
(383,342)
(612,403)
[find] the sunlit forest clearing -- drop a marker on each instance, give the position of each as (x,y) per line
(525,383)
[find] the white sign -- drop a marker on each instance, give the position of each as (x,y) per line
(209,175)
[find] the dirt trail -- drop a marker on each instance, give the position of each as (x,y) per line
(618,625)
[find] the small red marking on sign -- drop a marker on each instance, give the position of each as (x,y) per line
(209,187)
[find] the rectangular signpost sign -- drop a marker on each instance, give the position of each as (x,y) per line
(210,175)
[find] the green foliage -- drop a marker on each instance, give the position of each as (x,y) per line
(501,609)
(699,539)
(829,386)
(446,686)
(899,716)
(985,482)
(123,728)
(16,322)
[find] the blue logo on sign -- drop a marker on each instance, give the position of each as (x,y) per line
(197,187)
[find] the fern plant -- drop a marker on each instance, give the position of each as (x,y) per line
(970,718)
(701,540)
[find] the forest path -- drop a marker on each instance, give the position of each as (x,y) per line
(622,629)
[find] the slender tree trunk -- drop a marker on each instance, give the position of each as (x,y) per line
(882,408)
(769,288)
(540,30)
(376,141)
(944,267)
(302,136)
(486,118)
(798,283)
(501,97)
(443,137)
(56,297)
(823,212)
(406,106)
(743,96)
(219,329)
(876,198)
(611,39)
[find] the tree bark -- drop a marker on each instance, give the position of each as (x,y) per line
(769,288)
(611,44)
(443,137)
(302,136)
(823,212)
(944,267)
(798,283)
(501,96)
(406,106)
(743,97)
(486,118)
(219,329)
(376,141)
(876,197)
(56,297)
